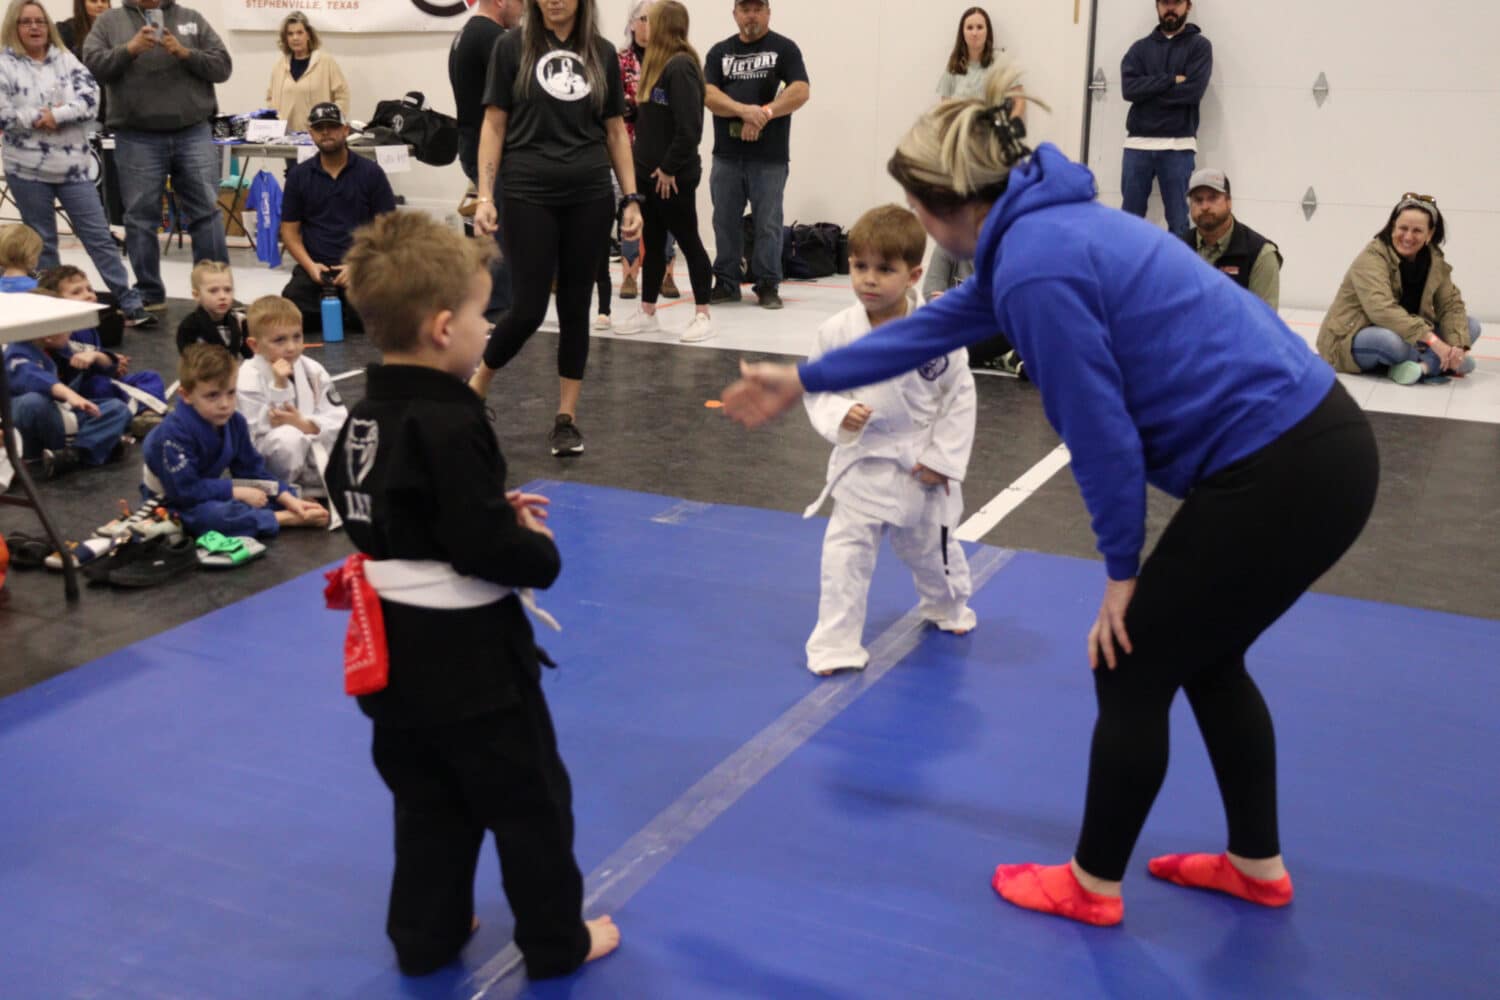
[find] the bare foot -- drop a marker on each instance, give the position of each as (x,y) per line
(604,937)
(1265,869)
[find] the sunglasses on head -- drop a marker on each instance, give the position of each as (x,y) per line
(1413,196)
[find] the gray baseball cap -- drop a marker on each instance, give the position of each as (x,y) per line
(1208,177)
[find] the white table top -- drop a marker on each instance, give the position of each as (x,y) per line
(27,317)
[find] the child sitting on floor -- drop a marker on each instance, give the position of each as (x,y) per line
(463,737)
(20,252)
(214,321)
(201,440)
(289,400)
(901,448)
(99,374)
(48,411)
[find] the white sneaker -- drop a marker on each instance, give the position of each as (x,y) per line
(602,322)
(638,323)
(701,328)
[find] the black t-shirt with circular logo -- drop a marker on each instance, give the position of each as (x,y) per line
(555,149)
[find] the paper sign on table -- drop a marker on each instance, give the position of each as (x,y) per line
(393,159)
(264,129)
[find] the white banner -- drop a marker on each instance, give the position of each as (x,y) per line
(330,16)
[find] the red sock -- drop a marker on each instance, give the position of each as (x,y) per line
(1055,889)
(1217,872)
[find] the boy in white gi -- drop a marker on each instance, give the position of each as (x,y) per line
(289,400)
(901,451)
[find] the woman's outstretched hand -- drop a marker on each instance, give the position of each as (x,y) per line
(764,392)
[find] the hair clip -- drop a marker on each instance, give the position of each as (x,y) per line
(1010,130)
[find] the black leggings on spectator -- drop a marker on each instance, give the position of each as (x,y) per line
(604,281)
(1244,546)
(543,240)
(679,214)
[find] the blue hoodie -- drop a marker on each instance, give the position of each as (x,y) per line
(1152,367)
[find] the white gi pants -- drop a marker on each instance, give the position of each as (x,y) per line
(289,455)
(849,550)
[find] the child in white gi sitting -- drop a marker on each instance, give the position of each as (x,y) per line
(289,400)
(901,451)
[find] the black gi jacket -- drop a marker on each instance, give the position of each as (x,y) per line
(417,474)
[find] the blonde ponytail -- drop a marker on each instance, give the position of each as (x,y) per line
(963,150)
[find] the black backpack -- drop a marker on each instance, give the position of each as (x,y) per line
(806,251)
(432,135)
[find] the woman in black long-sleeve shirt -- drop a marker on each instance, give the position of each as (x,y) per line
(668,129)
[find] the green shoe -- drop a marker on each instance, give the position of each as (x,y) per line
(1406,373)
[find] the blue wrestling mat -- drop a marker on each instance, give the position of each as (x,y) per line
(197,815)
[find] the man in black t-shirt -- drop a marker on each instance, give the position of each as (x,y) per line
(755,79)
(468,68)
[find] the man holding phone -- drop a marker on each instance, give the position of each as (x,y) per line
(327,198)
(158,63)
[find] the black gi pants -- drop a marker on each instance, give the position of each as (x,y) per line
(498,772)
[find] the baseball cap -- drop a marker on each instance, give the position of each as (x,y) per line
(1208,177)
(328,113)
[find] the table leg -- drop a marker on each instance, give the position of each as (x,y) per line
(70,569)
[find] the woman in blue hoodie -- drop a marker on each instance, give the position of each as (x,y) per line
(1153,369)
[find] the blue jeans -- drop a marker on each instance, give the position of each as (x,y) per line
(1376,347)
(731,184)
(630,250)
(80,199)
(145,160)
(1171,168)
(40,424)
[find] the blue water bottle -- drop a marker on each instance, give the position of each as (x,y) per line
(333,314)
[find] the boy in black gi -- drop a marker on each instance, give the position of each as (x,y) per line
(462,735)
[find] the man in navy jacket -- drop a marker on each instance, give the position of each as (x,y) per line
(1163,76)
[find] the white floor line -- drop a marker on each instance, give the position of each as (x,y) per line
(983,520)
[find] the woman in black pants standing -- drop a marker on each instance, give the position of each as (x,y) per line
(553,121)
(668,130)
(1275,463)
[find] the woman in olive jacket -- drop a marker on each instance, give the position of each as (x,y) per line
(1398,310)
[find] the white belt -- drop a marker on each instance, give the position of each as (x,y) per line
(427,583)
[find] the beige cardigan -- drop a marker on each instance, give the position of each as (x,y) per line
(294,99)
(1371,296)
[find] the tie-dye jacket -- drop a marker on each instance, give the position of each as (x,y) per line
(27,87)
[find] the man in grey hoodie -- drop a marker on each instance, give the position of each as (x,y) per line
(158,62)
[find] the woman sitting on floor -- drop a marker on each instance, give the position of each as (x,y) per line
(1398,310)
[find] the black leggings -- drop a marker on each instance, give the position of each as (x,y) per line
(1244,546)
(679,214)
(543,240)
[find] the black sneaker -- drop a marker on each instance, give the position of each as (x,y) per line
(769,298)
(724,292)
(565,438)
(128,548)
(139,320)
(155,307)
(60,462)
(168,557)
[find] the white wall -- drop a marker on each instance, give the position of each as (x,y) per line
(1412,107)
(1414,90)
(874,65)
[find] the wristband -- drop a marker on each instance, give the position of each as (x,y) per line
(482,201)
(631,199)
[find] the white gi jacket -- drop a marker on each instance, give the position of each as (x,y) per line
(925,416)
(311,390)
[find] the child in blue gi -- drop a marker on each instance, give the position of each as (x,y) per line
(201,440)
